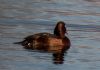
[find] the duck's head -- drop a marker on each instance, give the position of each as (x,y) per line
(60,29)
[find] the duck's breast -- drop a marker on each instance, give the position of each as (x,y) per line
(55,42)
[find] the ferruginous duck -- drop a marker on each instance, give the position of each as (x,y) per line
(47,41)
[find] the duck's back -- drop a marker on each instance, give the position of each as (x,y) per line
(37,41)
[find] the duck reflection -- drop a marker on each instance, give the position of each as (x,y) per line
(58,58)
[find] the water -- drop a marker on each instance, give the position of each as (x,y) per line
(20,18)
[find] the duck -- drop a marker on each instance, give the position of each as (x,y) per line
(45,41)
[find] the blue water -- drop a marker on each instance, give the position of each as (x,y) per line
(20,18)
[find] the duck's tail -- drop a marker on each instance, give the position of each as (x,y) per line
(26,44)
(23,43)
(18,42)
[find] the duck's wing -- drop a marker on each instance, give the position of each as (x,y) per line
(36,36)
(29,37)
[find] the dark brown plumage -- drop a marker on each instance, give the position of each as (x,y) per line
(49,42)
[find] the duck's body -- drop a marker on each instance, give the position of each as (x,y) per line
(48,42)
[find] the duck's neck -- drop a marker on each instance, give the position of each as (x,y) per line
(60,34)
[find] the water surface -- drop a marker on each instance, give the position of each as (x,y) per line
(20,18)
